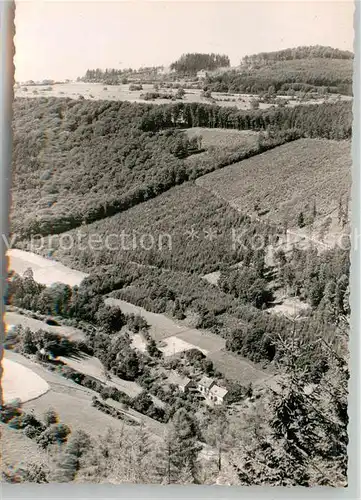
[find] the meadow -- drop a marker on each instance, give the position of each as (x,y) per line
(99,91)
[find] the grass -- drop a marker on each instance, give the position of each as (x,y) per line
(223,138)
(286,180)
(237,369)
(18,450)
(14,318)
(95,92)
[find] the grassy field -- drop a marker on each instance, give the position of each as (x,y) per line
(71,402)
(45,271)
(236,368)
(17,450)
(287,180)
(14,318)
(223,138)
(98,91)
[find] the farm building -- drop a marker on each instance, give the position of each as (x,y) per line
(217,395)
(183,383)
(204,385)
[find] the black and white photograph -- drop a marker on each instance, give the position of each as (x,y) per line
(177,308)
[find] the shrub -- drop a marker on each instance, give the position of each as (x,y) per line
(133,87)
(50,417)
(10,410)
(55,433)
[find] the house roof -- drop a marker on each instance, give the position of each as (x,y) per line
(206,382)
(176,379)
(220,392)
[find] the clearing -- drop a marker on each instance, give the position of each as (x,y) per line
(223,138)
(238,369)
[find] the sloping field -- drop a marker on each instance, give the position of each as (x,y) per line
(14,318)
(91,366)
(287,180)
(46,271)
(19,382)
(17,450)
(163,328)
(71,401)
(206,341)
(237,369)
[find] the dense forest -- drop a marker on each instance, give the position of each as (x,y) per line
(286,77)
(190,64)
(304,52)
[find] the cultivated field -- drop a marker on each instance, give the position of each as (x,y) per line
(45,271)
(97,91)
(19,382)
(281,183)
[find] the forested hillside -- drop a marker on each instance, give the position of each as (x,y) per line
(189,64)
(286,76)
(100,158)
(297,53)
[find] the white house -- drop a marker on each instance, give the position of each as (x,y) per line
(217,395)
(204,385)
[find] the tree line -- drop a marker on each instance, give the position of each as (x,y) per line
(302,52)
(191,63)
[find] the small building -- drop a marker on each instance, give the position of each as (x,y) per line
(217,395)
(183,383)
(204,385)
(202,74)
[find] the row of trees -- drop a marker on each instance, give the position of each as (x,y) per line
(327,120)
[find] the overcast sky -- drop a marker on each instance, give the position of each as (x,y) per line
(61,40)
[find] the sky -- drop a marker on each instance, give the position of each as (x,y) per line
(62,39)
